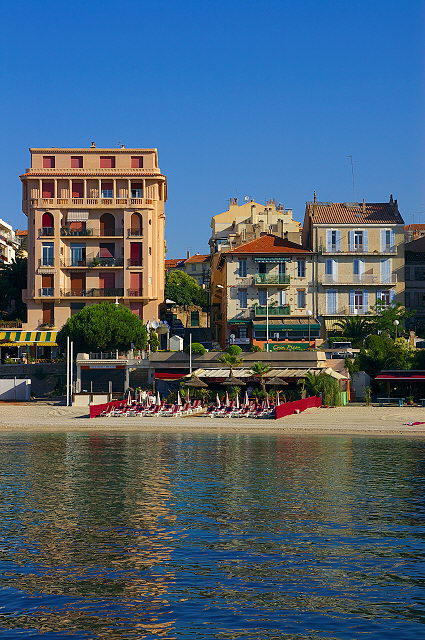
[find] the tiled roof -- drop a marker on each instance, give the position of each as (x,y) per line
(21,232)
(269,244)
(414,227)
(355,213)
(173,263)
(197,258)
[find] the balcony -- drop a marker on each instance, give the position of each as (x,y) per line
(347,311)
(135,262)
(45,292)
(47,262)
(46,231)
(96,202)
(134,293)
(363,279)
(359,250)
(67,231)
(134,233)
(271,279)
(92,293)
(280,310)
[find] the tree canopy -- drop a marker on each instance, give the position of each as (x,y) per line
(354,328)
(13,278)
(382,352)
(184,290)
(384,316)
(103,327)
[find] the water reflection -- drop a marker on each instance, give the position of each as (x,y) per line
(175,536)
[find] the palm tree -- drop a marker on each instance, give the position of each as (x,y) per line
(13,279)
(354,328)
(260,370)
(232,361)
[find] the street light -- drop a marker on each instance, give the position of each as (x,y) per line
(309,314)
(396,323)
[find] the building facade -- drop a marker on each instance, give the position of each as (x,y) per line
(95,231)
(415,282)
(9,243)
(263,288)
(359,257)
(196,266)
(242,223)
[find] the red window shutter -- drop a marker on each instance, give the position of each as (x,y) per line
(47,281)
(47,220)
(107,162)
(48,189)
(107,281)
(48,162)
(107,250)
(77,189)
(137,162)
(76,162)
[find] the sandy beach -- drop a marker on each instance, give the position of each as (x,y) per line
(351,420)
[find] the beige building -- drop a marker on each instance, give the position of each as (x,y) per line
(95,231)
(262,288)
(196,266)
(9,243)
(242,223)
(415,282)
(359,256)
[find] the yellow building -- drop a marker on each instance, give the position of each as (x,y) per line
(95,231)
(359,256)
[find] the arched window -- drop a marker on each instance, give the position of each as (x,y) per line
(136,224)
(107,224)
(47,223)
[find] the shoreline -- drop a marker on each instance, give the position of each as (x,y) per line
(352,420)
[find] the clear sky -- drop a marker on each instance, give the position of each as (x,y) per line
(265,99)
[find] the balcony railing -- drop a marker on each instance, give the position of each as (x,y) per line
(280,310)
(135,262)
(105,262)
(67,231)
(134,292)
(10,324)
(272,279)
(135,232)
(95,201)
(46,231)
(46,292)
(360,249)
(46,262)
(95,293)
(347,311)
(364,278)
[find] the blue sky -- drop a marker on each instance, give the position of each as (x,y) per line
(264,99)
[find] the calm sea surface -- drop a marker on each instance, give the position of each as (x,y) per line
(211,537)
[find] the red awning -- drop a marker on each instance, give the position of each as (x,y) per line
(169,376)
(404,376)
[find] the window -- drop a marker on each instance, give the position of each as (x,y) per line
(301,268)
(193,266)
(384,297)
(48,162)
(356,267)
(47,252)
(333,240)
(194,318)
(243,298)
(282,298)
(107,190)
(262,267)
(301,298)
(76,162)
(137,190)
(242,271)
(282,268)
(359,301)
(358,240)
(329,267)
(262,297)
(78,255)
(331,302)
(387,240)
(386,270)
(76,307)
(243,332)
(107,162)
(137,162)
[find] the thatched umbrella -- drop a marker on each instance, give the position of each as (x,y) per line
(277,382)
(231,381)
(195,383)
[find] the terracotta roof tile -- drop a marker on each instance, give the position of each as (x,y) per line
(197,258)
(21,232)
(414,227)
(355,213)
(173,262)
(269,244)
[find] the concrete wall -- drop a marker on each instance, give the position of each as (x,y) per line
(45,378)
(15,389)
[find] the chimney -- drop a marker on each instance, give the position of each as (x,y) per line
(187,255)
(314,197)
(93,146)
(391,198)
(364,206)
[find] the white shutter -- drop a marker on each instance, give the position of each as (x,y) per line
(351,240)
(328,239)
(338,240)
(383,235)
(282,298)
(392,239)
(365,301)
(386,270)
(366,240)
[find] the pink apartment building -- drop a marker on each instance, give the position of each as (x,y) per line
(95,231)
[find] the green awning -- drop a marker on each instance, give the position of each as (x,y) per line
(274,259)
(284,327)
(239,321)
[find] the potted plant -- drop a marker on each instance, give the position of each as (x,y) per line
(410,400)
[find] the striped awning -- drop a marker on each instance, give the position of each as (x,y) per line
(27,338)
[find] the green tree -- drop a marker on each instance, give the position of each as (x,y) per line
(198,349)
(103,327)
(184,290)
(260,370)
(384,316)
(13,279)
(382,352)
(234,350)
(326,385)
(354,328)
(153,340)
(232,361)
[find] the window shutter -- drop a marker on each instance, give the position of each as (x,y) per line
(365,240)
(334,268)
(378,295)
(366,300)
(392,238)
(338,240)
(385,269)
(282,298)
(392,296)
(382,239)
(351,240)
(351,300)
(328,239)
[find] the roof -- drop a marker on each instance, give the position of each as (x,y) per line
(173,262)
(25,338)
(197,258)
(288,323)
(21,232)
(269,244)
(355,213)
(274,372)
(414,227)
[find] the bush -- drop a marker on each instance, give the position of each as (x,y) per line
(198,349)
(234,350)
(255,348)
(153,340)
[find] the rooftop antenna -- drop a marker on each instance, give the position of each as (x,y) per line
(246,198)
(352,172)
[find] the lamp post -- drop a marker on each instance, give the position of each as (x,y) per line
(396,323)
(309,314)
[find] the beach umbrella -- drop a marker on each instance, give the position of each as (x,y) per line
(267,401)
(231,381)
(129,397)
(246,401)
(227,399)
(218,401)
(179,400)
(195,383)
(158,400)
(237,401)
(277,399)
(276,382)
(188,396)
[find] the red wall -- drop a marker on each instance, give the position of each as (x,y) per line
(96,409)
(288,408)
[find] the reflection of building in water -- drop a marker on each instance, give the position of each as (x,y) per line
(98,517)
